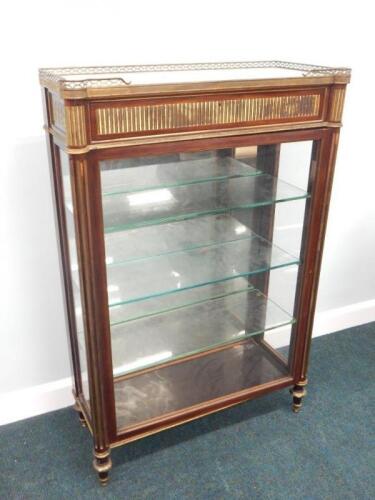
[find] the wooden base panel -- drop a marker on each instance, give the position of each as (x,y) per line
(163,394)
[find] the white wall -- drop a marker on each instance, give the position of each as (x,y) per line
(34,34)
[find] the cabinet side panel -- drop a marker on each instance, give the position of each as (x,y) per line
(55,176)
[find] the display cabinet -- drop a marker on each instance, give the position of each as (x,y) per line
(191,205)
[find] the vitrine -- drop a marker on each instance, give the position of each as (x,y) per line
(191,204)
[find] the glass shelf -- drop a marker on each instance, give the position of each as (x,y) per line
(168,243)
(172,237)
(173,388)
(138,279)
(163,303)
(128,176)
(157,206)
(172,335)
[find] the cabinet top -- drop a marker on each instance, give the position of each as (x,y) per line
(81,82)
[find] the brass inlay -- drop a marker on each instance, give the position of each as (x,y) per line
(182,115)
(337,104)
(75,125)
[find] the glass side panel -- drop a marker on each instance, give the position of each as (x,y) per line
(65,172)
(177,387)
(135,174)
(164,337)
(156,206)
(294,167)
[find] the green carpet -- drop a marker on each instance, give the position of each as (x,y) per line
(256,450)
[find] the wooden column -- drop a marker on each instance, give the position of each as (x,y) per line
(320,185)
(91,255)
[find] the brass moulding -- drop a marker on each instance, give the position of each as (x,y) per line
(185,136)
(302,383)
(101,454)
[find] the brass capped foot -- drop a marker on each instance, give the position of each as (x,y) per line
(102,464)
(80,415)
(298,392)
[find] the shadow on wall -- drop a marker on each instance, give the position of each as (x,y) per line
(34,346)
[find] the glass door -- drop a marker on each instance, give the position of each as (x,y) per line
(202,255)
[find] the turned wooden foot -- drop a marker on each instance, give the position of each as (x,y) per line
(102,464)
(80,415)
(298,392)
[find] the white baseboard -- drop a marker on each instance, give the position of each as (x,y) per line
(35,400)
(25,403)
(330,321)
(341,318)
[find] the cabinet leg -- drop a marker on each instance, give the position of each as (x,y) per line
(80,415)
(102,464)
(298,392)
